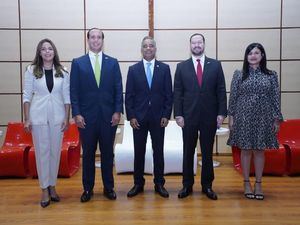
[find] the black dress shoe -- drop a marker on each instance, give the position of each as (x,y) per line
(160,189)
(184,192)
(44,204)
(210,193)
(135,190)
(110,194)
(86,196)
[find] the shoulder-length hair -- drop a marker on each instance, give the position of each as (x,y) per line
(38,61)
(262,64)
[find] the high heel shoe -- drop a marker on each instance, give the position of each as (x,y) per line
(259,196)
(44,204)
(249,195)
(55,198)
(45,195)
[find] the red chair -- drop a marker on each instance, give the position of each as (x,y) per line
(289,136)
(14,152)
(70,154)
(276,160)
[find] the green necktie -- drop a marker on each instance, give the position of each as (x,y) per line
(97,69)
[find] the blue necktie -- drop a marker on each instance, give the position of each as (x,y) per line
(149,74)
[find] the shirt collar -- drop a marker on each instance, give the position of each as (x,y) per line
(145,62)
(92,54)
(202,57)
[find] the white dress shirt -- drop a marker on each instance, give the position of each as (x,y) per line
(202,58)
(151,67)
(92,56)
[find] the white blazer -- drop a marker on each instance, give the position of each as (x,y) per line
(37,94)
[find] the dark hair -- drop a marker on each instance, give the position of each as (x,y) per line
(262,64)
(94,28)
(148,38)
(38,61)
(196,34)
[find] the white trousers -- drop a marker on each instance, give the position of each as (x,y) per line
(47,141)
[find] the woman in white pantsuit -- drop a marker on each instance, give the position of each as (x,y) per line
(46,99)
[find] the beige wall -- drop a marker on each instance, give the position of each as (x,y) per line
(228,25)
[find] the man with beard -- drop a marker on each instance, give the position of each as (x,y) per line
(148,103)
(199,105)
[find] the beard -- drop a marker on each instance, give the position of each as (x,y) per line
(197,51)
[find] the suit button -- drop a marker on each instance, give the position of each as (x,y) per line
(149,102)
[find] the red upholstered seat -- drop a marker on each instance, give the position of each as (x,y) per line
(14,152)
(17,156)
(286,160)
(275,161)
(289,136)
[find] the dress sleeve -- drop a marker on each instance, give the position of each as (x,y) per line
(28,85)
(275,97)
(234,92)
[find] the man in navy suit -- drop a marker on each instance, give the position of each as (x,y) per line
(148,102)
(97,104)
(199,105)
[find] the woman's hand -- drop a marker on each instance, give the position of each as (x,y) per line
(276,126)
(27,126)
(230,122)
(65,125)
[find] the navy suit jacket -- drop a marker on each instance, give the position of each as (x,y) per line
(89,100)
(203,103)
(139,96)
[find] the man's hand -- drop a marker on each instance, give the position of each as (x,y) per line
(164,122)
(134,123)
(180,121)
(220,120)
(115,119)
(79,121)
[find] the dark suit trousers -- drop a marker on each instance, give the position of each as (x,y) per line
(190,136)
(103,133)
(151,124)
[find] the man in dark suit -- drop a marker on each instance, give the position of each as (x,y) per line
(148,102)
(199,105)
(97,104)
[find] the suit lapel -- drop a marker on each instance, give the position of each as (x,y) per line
(143,74)
(90,72)
(207,63)
(156,71)
(192,71)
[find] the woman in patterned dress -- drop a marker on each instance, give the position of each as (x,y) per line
(254,114)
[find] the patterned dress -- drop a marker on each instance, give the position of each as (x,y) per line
(254,106)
